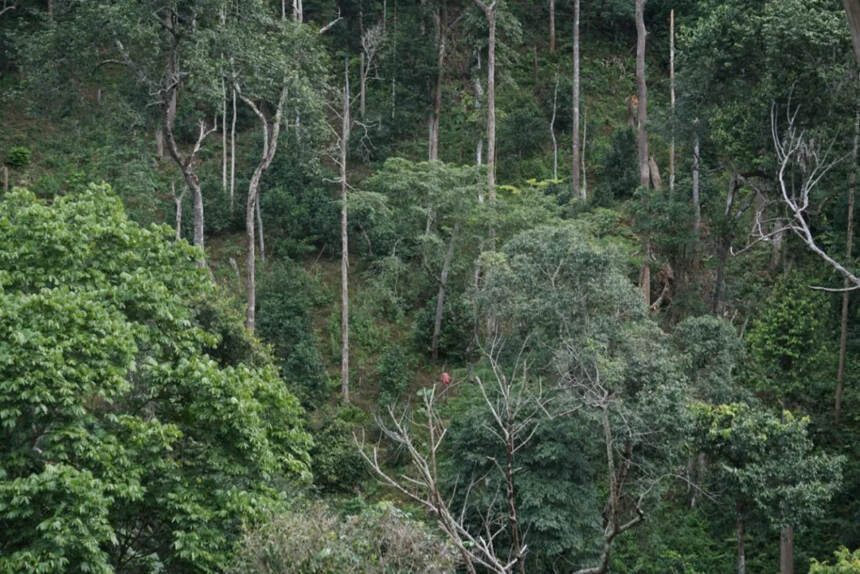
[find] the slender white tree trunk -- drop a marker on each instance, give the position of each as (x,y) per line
(441,25)
(672,99)
(344,243)
(233,155)
(575,102)
(552,26)
(644,172)
(440,296)
(697,207)
(552,132)
(224,138)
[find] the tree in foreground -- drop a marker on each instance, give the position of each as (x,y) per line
(139,427)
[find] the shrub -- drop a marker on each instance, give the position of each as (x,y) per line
(18,157)
(312,539)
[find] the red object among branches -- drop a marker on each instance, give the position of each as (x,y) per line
(446,379)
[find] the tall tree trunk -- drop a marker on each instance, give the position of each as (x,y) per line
(344,243)
(271,132)
(224,138)
(852,10)
(575,102)
(490,12)
(440,296)
(644,172)
(260,237)
(177,201)
(786,550)
(723,243)
(846,296)
(584,183)
(362,108)
(251,259)
(742,557)
(185,163)
(672,99)
(159,143)
(298,14)
(491,105)
(697,206)
(552,131)
(233,155)
(552,26)
(441,20)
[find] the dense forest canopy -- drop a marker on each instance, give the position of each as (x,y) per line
(429,286)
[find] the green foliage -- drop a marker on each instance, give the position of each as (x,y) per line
(791,317)
(114,418)
(335,461)
(393,373)
(285,299)
(847,562)
(713,354)
(18,157)
(769,462)
(619,171)
(675,541)
(312,539)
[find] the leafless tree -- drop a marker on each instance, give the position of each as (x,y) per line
(515,408)
(8,6)
(797,152)
(371,40)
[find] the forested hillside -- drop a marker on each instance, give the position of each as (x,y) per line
(429,286)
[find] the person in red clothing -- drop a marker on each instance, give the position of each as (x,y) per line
(446,379)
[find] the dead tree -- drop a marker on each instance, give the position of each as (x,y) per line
(371,40)
(797,152)
(515,409)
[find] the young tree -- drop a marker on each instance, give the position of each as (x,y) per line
(769,464)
